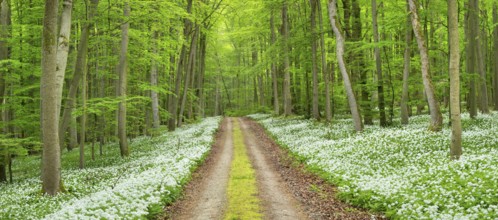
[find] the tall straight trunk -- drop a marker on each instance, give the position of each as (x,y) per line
(358,56)
(480,56)
(217,98)
(314,51)
(261,90)
(63,43)
(123,141)
(153,82)
(436,117)
(101,118)
(79,69)
(173,108)
(472,25)
(378,65)
(406,71)
(285,34)
(328,108)
(4,46)
(274,74)
(83,120)
(495,55)
(200,78)
(342,65)
(454,68)
(73,134)
(189,73)
(5,33)
(51,93)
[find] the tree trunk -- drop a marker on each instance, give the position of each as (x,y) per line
(189,73)
(342,65)
(63,43)
(483,90)
(285,34)
(51,93)
(5,34)
(454,68)
(378,64)
(358,63)
(495,55)
(83,120)
(200,80)
(328,108)
(123,141)
(406,71)
(79,69)
(274,74)
(73,136)
(472,25)
(314,51)
(153,82)
(172,122)
(436,117)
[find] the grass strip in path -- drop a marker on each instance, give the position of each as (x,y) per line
(243,202)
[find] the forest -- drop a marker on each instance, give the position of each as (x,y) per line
(115,109)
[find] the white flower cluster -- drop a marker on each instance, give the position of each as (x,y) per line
(404,171)
(125,190)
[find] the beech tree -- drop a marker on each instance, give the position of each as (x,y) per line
(122,72)
(454,68)
(342,65)
(436,117)
(51,93)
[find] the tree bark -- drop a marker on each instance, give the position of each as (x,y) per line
(328,106)
(189,73)
(406,71)
(79,70)
(472,32)
(123,141)
(314,51)
(153,82)
(454,68)
(378,65)
(51,91)
(342,65)
(173,107)
(5,22)
(200,80)
(83,120)
(436,117)
(495,55)
(483,90)
(274,74)
(63,43)
(5,34)
(358,63)
(286,87)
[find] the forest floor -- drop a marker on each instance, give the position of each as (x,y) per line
(285,188)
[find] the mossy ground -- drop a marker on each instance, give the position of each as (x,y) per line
(243,202)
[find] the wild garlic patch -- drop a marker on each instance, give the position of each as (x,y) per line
(128,189)
(403,171)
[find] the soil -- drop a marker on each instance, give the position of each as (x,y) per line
(278,203)
(286,188)
(205,195)
(316,196)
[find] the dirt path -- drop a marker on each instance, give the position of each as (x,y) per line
(287,190)
(278,203)
(205,196)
